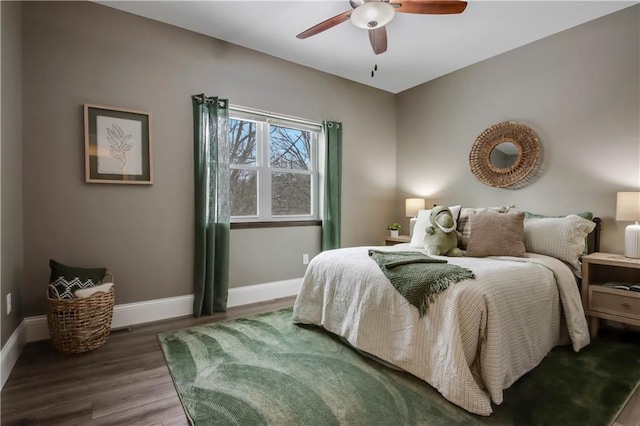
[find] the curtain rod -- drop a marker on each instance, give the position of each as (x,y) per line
(274,115)
(209,99)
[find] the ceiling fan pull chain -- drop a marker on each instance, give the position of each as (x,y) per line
(374,67)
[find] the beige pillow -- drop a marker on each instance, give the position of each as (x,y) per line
(463,221)
(88,292)
(496,234)
(561,237)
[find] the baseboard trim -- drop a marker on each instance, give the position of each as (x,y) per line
(246,295)
(10,352)
(128,314)
(35,328)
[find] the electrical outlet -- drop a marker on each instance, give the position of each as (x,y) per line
(8,303)
(305,259)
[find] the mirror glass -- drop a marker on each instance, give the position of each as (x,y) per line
(504,155)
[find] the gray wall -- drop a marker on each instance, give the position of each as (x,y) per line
(578,90)
(79,52)
(252,260)
(11,248)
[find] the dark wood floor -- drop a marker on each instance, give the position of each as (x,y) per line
(125,382)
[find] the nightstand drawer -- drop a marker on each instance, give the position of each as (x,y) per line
(615,302)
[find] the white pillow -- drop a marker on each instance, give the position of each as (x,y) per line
(417,239)
(90,291)
(562,238)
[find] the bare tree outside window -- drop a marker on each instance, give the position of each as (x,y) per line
(242,142)
(244,183)
(289,148)
(290,192)
(244,192)
(272,170)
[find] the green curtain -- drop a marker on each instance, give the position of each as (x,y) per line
(211,181)
(332,185)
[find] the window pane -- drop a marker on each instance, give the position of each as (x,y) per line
(290,194)
(244,192)
(242,142)
(289,148)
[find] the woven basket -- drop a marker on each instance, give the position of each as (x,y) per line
(79,325)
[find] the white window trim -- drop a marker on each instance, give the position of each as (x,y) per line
(263,169)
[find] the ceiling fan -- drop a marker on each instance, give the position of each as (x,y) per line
(373,15)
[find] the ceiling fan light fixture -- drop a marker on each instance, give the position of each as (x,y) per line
(372,15)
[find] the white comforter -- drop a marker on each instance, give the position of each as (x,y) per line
(477,338)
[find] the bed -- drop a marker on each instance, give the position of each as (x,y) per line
(476,338)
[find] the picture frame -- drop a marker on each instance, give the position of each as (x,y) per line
(118,145)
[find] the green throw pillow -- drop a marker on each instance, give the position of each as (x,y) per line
(67,279)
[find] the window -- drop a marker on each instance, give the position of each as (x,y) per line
(273,167)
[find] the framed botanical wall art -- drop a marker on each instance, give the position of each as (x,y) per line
(117,145)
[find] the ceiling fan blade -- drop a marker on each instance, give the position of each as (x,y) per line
(429,7)
(325,25)
(378,39)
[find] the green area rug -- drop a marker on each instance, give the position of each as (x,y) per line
(266,370)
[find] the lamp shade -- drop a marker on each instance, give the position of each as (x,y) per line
(628,206)
(372,15)
(412,206)
(628,209)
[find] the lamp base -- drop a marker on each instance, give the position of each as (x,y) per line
(632,241)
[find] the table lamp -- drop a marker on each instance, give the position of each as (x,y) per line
(411,207)
(628,209)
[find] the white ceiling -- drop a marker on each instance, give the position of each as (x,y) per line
(420,47)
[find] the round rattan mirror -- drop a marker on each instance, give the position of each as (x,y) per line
(504,154)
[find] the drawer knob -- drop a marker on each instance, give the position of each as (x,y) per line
(625,305)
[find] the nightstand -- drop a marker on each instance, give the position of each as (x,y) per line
(602,302)
(392,241)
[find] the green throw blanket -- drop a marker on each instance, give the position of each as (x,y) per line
(417,276)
